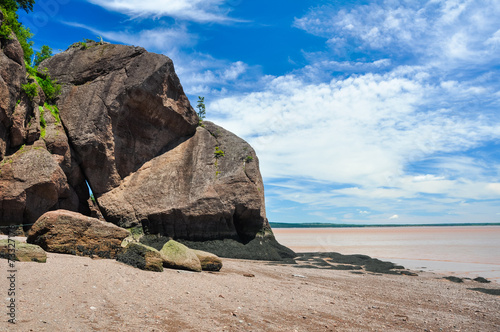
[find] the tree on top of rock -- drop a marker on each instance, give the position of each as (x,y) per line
(14,5)
(11,24)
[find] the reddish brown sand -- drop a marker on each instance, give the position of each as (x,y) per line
(71,293)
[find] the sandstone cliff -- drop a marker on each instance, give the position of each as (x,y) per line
(37,172)
(124,126)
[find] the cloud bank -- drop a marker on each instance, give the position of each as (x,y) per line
(203,11)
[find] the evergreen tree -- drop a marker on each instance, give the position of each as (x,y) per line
(45,53)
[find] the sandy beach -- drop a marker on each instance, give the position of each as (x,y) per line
(70,293)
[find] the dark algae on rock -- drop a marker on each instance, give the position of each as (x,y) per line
(336,261)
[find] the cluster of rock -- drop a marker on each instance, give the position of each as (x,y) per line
(124,127)
(67,232)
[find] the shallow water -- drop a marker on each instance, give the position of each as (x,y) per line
(465,251)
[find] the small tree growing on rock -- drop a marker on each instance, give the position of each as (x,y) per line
(201,109)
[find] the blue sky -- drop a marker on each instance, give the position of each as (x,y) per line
(361,112)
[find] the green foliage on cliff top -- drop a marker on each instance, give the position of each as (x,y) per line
(15,5)
(11,24)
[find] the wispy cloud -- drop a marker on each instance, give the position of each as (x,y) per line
(203,11)
(369,133)
(168,40)
(362,129)
(455,30)
(206,75)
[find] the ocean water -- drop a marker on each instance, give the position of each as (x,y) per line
(463,251)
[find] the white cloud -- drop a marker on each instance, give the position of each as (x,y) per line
(192,10)
(494,40)
(202,74)
(360,130)
(353,143)
(394,217)
(167,39)
(447,32)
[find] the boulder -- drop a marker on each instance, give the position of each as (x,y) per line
(72,233)
(31,183)
(209,261)
(121,107)
(24,252)
(192,192)
(141,256)
(178,256)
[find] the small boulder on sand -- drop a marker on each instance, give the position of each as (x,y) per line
(209,261)
(141,256)
(22,252)
(178,256)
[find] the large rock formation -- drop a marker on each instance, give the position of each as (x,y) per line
(192,193)
(37,171)
(121,106)
(124,126)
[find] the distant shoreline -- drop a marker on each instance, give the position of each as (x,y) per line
(326,225)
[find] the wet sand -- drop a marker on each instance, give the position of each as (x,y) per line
(70,293)
(467,251)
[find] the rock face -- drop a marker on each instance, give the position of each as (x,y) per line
(68,232)
(31,183)
(37,171)
(12,75)
(121,106)
(192,193)
(23,252)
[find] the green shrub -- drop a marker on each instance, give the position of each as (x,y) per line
(218,153)
(81,44)
(54,111)
(43,123)
(49,87)
(30,89)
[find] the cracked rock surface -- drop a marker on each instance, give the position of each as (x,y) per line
(121,107)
